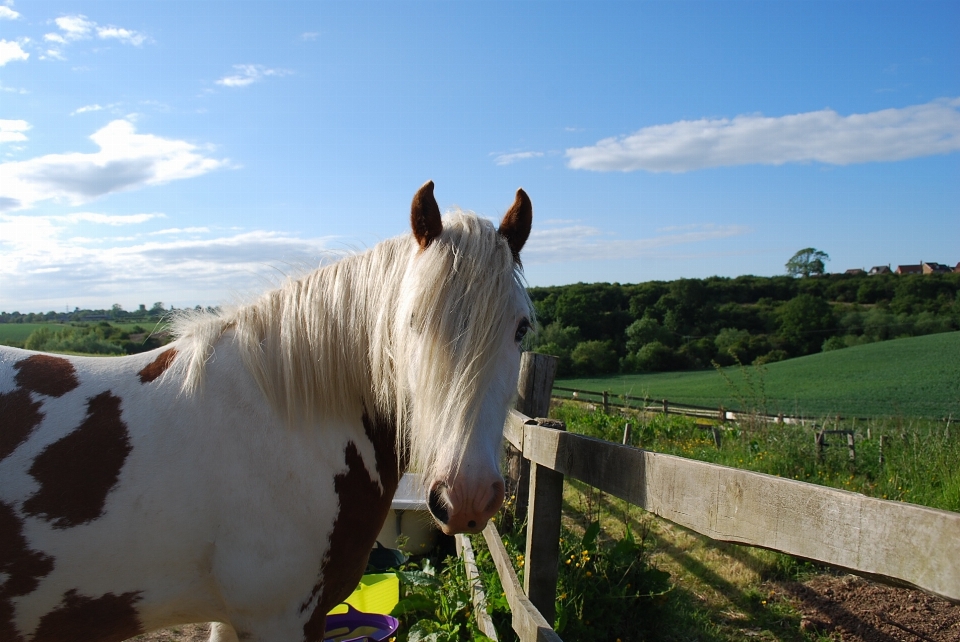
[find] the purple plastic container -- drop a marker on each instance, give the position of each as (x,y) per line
(354,626)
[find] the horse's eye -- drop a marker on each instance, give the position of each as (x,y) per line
(522,330)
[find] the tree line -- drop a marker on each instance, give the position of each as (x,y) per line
(114,313)
(606,328)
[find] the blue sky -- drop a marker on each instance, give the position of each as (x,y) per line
(196,152)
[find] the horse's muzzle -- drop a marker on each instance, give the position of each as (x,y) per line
(465,518)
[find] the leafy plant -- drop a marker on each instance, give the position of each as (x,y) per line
(436,606)
(602,584)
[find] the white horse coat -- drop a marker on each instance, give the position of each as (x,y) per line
(241,474)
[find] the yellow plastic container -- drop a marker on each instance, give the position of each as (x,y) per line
(377,593)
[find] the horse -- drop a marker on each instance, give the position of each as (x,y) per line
(240,474)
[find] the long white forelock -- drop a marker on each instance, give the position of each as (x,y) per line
(348,334)
(465,293)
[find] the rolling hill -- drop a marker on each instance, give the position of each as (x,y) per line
(914,377)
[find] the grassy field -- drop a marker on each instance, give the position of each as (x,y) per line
(14,334)
(915,377)
(17,333)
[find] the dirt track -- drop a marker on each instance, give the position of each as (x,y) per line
(855,610)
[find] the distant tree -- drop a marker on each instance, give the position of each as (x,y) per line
(807,262)
(805,322)
(594,357)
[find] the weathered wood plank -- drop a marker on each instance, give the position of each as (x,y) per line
(527,621)
(542,554)
(484,623)
(534,385)
(537,372)
(892,541)
(513,428)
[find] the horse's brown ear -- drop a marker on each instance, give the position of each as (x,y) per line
(425,216)
(515,226)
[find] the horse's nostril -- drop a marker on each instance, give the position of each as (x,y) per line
(472,524)
(436,505)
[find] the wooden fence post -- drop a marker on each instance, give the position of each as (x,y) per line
(881,450)
(850,446)
(537,372)
(717,437)
(666,407)
(819,438)
(542,555)
(606,402)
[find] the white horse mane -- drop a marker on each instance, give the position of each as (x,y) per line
(354,335)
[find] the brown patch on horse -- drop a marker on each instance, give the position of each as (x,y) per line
(20,416)
(47,375)
(108,618)
(77,472)
(22,566)
(157,367)
(363,509)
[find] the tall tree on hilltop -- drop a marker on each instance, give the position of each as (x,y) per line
(807,262)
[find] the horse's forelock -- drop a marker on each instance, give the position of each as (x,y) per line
(465,291)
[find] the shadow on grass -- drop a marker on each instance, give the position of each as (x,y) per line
(751,613)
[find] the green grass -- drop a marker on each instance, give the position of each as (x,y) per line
(17,333)
(14,334)
(919,455)
(915,377)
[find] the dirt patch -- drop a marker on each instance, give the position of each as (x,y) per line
(852,609)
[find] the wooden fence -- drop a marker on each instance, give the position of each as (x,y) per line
(893,542)
(608,400)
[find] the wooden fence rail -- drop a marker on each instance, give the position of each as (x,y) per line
(665,406)
(893,542)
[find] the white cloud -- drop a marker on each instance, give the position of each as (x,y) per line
(507,159)
(181,230)
(45,266)
(11,51)
(85,109)
(79,27)
(75,27)
(12,130)
(820,136)
(309,35)
(12,90)
(126,36)
(249,74)
(580,242)
(126,160)
(6,13)
(107,219)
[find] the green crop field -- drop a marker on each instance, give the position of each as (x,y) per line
(17,333)
(915,377)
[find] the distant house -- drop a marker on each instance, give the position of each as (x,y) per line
(880,269)
(957,269)
(854,272)
(925,267)
(936,268)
